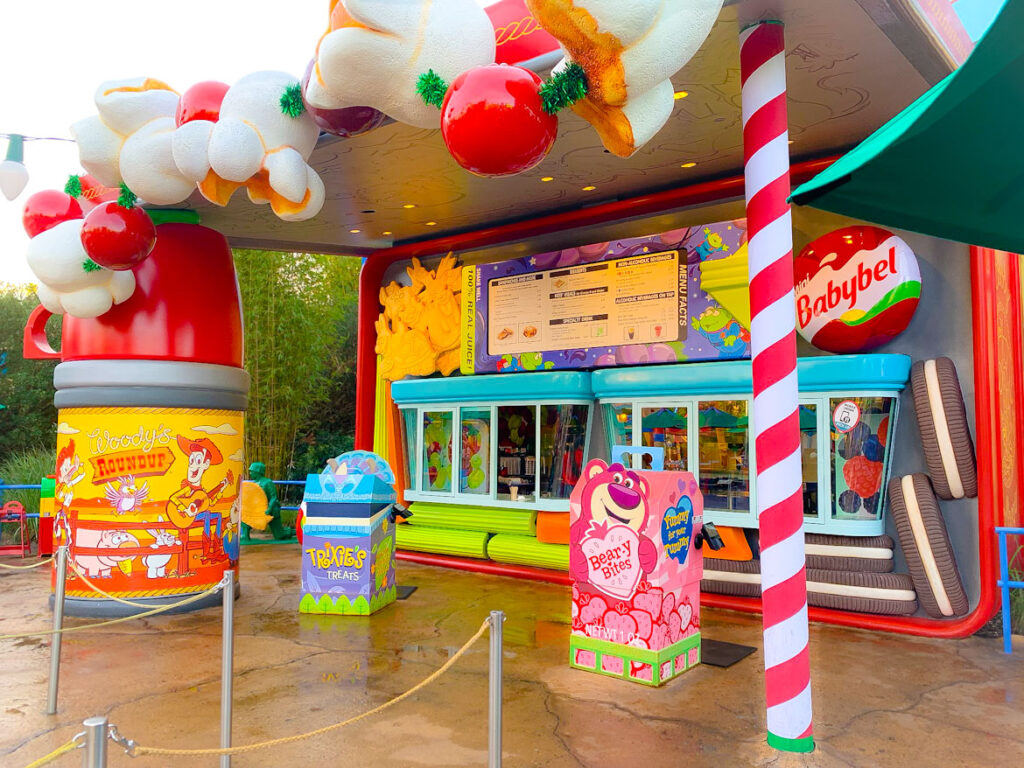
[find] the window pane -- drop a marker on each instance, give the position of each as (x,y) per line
(666,428)
(859,434)
(437,451)
(724,455)
(409,441)
(809,457)
(475,474)
(619,418)
(563,436)
(517,458)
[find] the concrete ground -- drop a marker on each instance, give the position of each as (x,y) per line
(879,699)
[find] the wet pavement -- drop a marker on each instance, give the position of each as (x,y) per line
(879,699)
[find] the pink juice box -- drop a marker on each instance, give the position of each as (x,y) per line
(636,572)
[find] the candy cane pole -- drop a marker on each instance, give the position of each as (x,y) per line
(779,482)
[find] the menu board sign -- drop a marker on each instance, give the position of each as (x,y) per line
(624,301)
(631,302)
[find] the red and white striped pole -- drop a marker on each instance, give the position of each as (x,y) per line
(776,424)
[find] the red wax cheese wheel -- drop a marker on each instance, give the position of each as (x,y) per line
(856,289)
(942,421)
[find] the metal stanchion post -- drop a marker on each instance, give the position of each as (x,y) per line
(58,625)
(227,665)
(494,715)
(95,754)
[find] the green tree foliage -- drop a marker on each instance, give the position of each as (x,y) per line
(300,316)
(28,420)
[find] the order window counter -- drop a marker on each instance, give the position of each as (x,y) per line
(511,440)
(700,415)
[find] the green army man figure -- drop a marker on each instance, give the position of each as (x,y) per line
(257,473)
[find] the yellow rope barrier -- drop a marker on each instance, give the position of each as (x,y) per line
(63,749)
(100,591)
(26,567)
(96,625)
(141,750)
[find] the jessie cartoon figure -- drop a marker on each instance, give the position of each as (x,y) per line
(193,503)
(69,474)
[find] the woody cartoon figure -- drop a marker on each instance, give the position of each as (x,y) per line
(193,503)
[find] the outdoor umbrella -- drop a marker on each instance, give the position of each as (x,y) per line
(714,417)
(951,164)
(664,418)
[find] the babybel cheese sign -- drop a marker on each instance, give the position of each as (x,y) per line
(856,289)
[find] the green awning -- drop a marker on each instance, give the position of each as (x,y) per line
(950,165)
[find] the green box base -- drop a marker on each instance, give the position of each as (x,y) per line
(662,665)
(325,604)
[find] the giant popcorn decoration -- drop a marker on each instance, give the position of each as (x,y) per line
(629,50)
(418,331)
(129,141)
(69,281)
(259,137)
(374,51)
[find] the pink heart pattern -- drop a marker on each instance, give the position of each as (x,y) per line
(614,560)
(644,624)
(649,601)
(620,628)
(593,611)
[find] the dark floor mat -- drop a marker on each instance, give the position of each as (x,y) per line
(404,592)
(717,653)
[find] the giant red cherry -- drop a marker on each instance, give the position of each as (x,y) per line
(201,102)
(116,236)
(344,122)
(493,121)
(47,209)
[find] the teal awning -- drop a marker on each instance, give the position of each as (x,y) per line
(951,164)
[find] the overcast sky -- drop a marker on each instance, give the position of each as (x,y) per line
(53,55)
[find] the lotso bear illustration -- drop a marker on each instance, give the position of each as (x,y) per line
(612,495)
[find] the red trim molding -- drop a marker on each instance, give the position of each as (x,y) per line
(997,315)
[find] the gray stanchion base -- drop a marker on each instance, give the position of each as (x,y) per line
(107,609)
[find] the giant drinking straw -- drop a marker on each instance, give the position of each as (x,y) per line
(779,483)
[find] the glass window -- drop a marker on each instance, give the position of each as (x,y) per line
(619,418)
(859,434)
(409,442)
(563,437)
(724,455)
(666,428)
(436,474)
(475,469)
(809,456)
(517,452)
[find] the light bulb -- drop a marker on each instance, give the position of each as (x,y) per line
(13,173)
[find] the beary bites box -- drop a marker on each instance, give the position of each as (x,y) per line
(636,573)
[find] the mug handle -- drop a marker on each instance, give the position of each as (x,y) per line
(35,345)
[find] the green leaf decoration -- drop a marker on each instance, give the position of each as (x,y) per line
(325,604)
(291,101)
(127,198)
(73,186)
(360,606)
(307,604)
(432,88)
(90,266)
(564,89)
